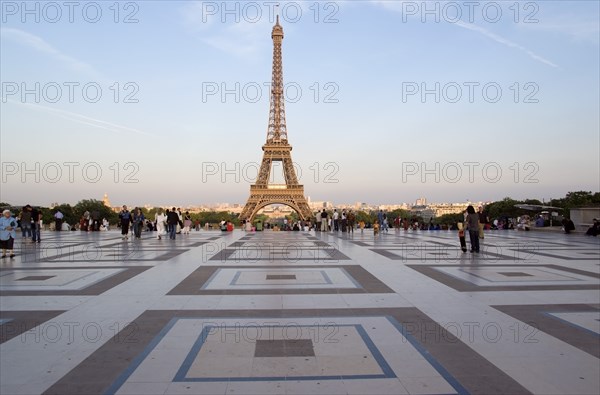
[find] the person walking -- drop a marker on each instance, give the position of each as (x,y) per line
(8,233)
(160,218)
(172,221)
(58,220)
(472,223)
(138,222)
(125,218)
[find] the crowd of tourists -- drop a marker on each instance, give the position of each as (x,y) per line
(171,222)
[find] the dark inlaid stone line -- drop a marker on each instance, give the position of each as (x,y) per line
(464,286)
(94,289)
(515,274)
(281,277)
(192,284)
(566,258)
(35,278)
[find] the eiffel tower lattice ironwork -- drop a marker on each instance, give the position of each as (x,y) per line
(276,149)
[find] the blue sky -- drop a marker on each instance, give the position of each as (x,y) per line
(359,129)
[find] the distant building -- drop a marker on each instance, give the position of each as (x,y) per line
(421,202)
(106,201)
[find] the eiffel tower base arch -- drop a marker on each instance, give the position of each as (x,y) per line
(291,196)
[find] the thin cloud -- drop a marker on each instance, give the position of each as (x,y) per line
(396,6)
(506,42)
(39,44)
(80,118)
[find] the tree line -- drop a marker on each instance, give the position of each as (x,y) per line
(502,208)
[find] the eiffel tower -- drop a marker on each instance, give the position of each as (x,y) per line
(276,149)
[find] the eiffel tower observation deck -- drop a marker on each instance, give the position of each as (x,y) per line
(277,149)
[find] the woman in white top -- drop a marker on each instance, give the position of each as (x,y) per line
(160,219)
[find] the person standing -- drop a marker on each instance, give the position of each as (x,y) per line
(323,221)
(380,219)
(85,222)
(472,223)
(138,222)
(36,225)
(179,220)
(95,217)
(168,226)
(344,221)
(351,218)
(125,218)
(187,223)
(336,220)
(172,222)
(8,226)
(58,220)
(160,218)
(318,221)
(483,219)
(26,222)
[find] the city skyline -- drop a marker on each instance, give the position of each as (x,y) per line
(389,105)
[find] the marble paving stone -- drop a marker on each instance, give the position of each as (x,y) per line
(301,312)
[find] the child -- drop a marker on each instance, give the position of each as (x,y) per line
(376,228)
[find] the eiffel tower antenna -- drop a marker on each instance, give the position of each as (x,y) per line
(276,149)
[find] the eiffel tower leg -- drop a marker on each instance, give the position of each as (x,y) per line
(288,170)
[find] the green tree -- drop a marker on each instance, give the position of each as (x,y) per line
(397,213)
(261,217)
(363,216)
(504,208)
(69,215)
(449,219)
(576,199)
(92,205)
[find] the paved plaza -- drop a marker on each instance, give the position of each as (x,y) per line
(301,313)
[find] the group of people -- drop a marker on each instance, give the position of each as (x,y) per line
(90,222)
(344,221)
(594,230)
(168,222)
(29,220)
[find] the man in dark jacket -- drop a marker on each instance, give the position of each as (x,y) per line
(172,220)
(36,225)
(125,217)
